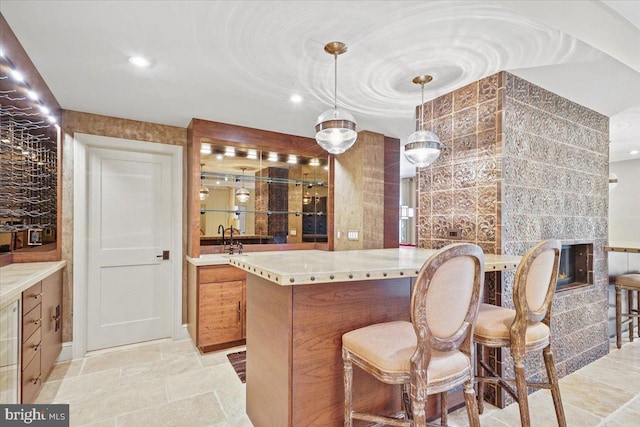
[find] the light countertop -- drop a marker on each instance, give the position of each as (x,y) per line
(15,278)
(315,266)
(211,259)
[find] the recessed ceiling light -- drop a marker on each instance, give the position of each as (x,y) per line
(139,61)
(205,149)
(32,95)
(17,75)
(634,152)
(273,157)
(293,159)
(295,98)
(252,154)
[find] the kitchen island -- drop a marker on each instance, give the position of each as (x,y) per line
(299,303)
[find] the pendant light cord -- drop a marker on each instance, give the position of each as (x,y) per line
(422,108)
(335,82)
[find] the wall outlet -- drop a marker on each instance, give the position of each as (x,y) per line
(454,234)
(352,235)
(338,235)
(293,232)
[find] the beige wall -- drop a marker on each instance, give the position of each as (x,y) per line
(359,193)
(78,122)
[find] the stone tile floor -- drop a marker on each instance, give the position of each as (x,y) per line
(169,383)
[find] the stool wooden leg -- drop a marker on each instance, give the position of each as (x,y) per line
(444,408)
(555,387)
(348,378)
(470,402)
(418,408)
(481,372)
(618,318)
(521,387)
(630,311)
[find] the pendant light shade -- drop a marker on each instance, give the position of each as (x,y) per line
(423,147)
(336,128)
(204,192)
(242,194)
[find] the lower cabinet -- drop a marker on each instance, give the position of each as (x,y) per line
(217,316)
(41,333)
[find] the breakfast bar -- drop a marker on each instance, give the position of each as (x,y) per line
(299,303)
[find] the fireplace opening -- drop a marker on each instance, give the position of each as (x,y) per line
(574,266)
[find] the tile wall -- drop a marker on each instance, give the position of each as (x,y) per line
(522,164)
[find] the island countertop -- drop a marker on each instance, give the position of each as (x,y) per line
(15,278)
(316,266)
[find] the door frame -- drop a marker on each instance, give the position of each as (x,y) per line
(82,142)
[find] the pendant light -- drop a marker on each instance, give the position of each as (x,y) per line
(242,194)
(204,190)
(335,128)
(423,147)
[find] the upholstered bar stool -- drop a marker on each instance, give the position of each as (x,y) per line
(434,352)
(525,329)
(631,283)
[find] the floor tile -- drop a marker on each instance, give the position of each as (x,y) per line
(201,410)
(112,403)
(158,369)
(118,359)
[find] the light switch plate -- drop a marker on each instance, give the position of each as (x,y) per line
(293,232)
(352,235)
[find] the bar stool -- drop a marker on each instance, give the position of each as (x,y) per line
(431,354)
(631,283)
(525,329)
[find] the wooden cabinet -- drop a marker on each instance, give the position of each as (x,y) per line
(41,333)
(217,312)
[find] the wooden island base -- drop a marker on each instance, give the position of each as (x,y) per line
(294,342)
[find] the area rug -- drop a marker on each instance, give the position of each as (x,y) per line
(239,362)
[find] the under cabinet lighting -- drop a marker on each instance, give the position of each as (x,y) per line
(230,152)
(252,154)
(314,162)
(205,149)
(293,159)
(273,157)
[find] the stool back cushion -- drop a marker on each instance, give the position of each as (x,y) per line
(446,297)
(535,283)
(449,295)
(538,279)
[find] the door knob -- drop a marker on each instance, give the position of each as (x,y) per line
(164,256)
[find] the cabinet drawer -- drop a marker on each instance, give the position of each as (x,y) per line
(219,274)
(31,348)
(31,321)
(31,380)
(31,297)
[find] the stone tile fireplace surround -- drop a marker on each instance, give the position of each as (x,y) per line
(521,164)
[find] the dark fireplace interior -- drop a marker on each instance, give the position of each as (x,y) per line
(574,268)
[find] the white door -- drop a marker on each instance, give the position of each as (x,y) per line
(129,285)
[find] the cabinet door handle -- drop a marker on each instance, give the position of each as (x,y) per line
(37,322)
(239,310)
(36,347)
(36,296)
(36,381)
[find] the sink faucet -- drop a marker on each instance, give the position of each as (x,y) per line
(231,242)
(221,231)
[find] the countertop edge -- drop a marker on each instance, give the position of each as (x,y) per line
(13,294)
